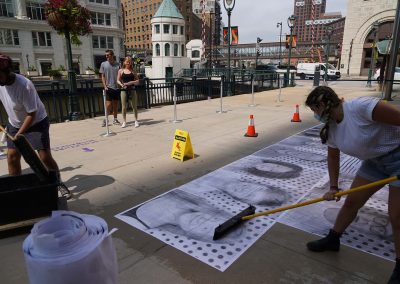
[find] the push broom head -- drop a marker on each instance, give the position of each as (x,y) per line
(31,158)
(231,223)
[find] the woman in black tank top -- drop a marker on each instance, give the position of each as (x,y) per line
(127,79)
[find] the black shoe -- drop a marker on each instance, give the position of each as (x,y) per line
(64,191)
(395,278)
(330,242)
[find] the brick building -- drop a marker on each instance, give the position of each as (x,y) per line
(311,20)
(137,22)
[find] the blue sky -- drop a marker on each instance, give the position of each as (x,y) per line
(258,18)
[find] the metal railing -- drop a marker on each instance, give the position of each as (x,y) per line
(154,92)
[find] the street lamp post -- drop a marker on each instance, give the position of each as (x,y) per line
(229,5)
(290,21)
(74,112)
(328,34)
(70,19)
(375,26)
(280,41)
(27,60)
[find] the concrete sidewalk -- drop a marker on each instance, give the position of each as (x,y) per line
(110,174)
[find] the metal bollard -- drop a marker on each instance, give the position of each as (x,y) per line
(221,94)
(252,92)
(108,132)
(175,120)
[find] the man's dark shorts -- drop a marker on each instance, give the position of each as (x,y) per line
(37,135)
(112,95)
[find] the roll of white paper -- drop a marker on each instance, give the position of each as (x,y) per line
(71,248)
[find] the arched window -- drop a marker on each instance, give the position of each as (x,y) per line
(157,50)
(183,50)
(175,49)
(167,49)
(195,53)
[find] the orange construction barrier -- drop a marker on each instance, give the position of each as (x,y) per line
(296,115)
(251,130)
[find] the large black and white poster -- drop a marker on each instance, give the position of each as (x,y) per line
(285,173)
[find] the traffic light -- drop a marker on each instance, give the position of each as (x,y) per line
(258,53)
(259,40)
(287,41)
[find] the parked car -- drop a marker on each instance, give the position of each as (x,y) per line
(396,75)
(267,67)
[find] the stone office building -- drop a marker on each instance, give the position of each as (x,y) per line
(359,35)
(27,38)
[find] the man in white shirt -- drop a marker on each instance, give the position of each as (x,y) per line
(26,115)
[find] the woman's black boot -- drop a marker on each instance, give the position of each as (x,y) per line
(330,242)
(395,278)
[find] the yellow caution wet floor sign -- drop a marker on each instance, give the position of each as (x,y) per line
(182,147)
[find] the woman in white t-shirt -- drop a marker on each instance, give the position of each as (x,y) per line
(368,129)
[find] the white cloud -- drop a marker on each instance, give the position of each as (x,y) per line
(258,18)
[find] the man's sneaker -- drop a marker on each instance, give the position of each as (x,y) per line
(116,122)
(104,123)
(123,124)
(330,242)
(64,191)
(136,124)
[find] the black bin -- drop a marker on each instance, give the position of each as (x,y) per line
(25,197)
(317,74)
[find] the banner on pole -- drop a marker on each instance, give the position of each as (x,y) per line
(294,41)
(234,35)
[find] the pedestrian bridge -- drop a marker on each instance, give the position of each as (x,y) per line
(272,52)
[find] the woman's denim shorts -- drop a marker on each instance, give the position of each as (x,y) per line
(382,167)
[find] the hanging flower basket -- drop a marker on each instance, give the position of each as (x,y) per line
(68,16)
(56,20)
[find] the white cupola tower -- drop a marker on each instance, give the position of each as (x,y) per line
(168,38)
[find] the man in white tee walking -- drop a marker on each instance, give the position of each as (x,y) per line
(26,115)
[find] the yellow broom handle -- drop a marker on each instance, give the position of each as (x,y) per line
(3,130)
(340,193)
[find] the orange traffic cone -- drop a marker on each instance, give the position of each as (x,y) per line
(251,130)
(296,115)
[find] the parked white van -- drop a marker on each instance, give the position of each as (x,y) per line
(306,70)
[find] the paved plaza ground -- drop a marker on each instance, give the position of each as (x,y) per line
(108,175)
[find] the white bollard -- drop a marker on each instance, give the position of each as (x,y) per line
(176,120)
(252,92)
(108,132)
(221,95)
(280,89)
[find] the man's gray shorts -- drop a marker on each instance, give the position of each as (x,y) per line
(37,135)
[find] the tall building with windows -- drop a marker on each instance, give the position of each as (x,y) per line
(32,44)
(311,19)
(213,19)
(138,15)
